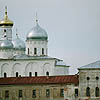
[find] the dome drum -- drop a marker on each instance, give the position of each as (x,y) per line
(6,44)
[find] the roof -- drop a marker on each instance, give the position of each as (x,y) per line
(60,63)
(69,79)
(94,65)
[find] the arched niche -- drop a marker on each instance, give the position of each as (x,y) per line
(5,68)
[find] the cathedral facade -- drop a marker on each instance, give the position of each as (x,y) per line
(30,58)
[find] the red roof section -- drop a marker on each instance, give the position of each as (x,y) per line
(68,79)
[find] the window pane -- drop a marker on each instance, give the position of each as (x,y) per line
(7,94)
(61,92)
(5,75)
(88,91)
(35,73)
(97,92)
(42,51)
(47,92)
(47,73)
(30,74)
(20,93)
(34,94)
(16,74)
(28,51)
(76,92)
(35,50)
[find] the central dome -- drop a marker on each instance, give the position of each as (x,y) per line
(37,33)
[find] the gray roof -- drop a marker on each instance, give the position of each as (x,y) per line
(60,63)
(94,65)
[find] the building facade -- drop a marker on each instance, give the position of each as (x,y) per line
(38,88)
(29,58)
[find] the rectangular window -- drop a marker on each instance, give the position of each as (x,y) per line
(34,94)
(61,92)
(42,51)
(35,51)
(47,92)
(35,73)
(76,92)
(6,94)
(20,94)
(28,51)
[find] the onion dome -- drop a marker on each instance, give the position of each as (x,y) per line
(6,44)
(18,43)
(6,21)
(37,33)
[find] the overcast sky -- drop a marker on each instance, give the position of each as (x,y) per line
(73,27)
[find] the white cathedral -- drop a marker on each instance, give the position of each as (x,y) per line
(27,59)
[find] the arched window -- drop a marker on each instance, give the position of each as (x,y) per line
(47,73)
(35,51)
(35,73)
(88,92)
(97,92)
(5,75)
(42,51)
(28,51)
(30,74)
(16,74)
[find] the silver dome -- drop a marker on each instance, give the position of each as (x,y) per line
(37,33)
(18,43)
(6,44)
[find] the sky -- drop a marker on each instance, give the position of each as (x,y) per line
(73,27)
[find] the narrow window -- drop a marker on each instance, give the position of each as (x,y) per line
(30,74)
(6,94)
(61,92)
(88,92)
(35,73)
(42,51)
(28,51)
(47,92)
(20,94)
(76,92)
(34,94)
(47,73)
(5,75)
(35,51)
(97,92)
(16,74)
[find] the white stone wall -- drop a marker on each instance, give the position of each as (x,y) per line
(23,67)
(69,92)
(92,83)
(31,44)
(6,54)
(64,70)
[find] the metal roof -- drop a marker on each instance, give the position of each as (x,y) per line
(94,65)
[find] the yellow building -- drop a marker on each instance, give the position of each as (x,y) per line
(37,88)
